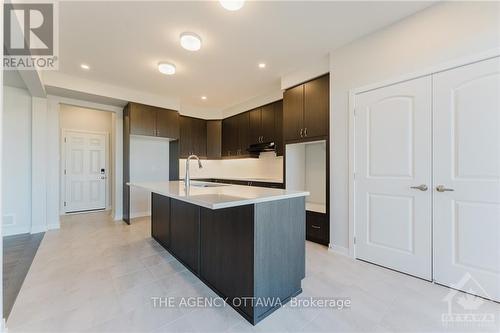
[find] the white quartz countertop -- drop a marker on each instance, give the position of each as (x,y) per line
(249,179)
(218,196)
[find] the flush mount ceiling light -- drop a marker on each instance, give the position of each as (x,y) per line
(166,68)
(203,97)
(190,41)
(85,66)
(232,5)
(262,65)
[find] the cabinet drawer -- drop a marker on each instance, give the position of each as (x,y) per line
(317,228)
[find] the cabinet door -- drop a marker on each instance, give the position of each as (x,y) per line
(160,219)
(243,131)
(225,145)
(214,138)
(255,116)
(184,232)
(226,241)
(199,137)
(185,138)
(268,123)
(167,123)
(230,137)
(293,113)
(278,127)
(316,107)
(142,119)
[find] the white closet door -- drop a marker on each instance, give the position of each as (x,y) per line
(393,156)
(467,162)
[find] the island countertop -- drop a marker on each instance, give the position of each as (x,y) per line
(216,195)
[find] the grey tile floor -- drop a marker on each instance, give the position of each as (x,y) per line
(97,275)
(18,254)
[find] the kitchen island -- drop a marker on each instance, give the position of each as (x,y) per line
(246,243)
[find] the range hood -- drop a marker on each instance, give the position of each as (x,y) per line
(262,147)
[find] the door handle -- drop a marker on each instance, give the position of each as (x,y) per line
(305,131)
(422,187)
(441,188)
(301,134)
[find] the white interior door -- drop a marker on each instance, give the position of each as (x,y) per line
(467,161)
(392,156)
(85,171)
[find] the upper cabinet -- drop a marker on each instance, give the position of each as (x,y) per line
(262,124)
(259,125)
(193,137)
(230,137)
(305,110)
(214,139)
(153,121)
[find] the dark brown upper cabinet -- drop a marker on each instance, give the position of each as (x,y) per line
(167,124)
(230,137)
(293,113)
(153,121)
(262,124)
(278,127)
(243,133)
(193,137)
(305,110)
(214,139)
(255,116)
(316,107)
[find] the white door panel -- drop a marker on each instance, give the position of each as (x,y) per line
(393,144)
(85,155)
(467,160)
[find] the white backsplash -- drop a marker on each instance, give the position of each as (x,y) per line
(267,166)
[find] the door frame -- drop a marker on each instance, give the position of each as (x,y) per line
(459,62)
(109,174)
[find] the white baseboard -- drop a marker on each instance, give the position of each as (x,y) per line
(139,214)
(54,226)
(339,249)
(39,228)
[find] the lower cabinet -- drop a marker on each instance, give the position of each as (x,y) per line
(160,219)
(317,227)
(227,243)
(184,233)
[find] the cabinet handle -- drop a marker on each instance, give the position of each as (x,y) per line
(315,226)
(305,131)
(301,133)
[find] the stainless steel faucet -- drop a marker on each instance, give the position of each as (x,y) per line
(187,179)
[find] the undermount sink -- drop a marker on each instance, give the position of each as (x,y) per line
(206,184)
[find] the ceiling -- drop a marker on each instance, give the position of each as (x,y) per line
(122,42)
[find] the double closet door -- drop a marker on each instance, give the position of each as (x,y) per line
(427,177)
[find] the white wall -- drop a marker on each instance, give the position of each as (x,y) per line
(49,133)
(436,35)
(16,161)
(84,119)
(148,162)
(306,170)
(267,166)
(315,165)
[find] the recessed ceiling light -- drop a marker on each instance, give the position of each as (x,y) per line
(166,68)
(262,65)
(85,66)
(190,41)
(232,5)
(203,97)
